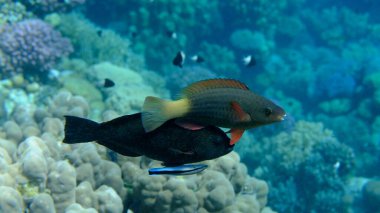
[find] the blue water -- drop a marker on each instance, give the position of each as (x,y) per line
(319,60)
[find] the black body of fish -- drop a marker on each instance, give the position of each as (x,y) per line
(169,143)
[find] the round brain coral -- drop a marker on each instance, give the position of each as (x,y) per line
(31,45)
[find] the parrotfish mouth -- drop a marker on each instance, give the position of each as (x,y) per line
(178,170)
(282,117)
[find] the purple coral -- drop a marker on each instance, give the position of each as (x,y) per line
(31,45)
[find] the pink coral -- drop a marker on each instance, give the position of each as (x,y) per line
(31,45)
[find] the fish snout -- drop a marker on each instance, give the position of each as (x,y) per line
(281,117)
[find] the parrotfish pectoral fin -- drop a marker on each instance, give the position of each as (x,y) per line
(189,126)
(235,135)
(242,115)
(179,170)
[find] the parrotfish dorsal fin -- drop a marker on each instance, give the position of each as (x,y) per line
(213,84)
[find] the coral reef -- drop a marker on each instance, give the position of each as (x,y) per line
(11,12)
(371,196)
(31,46)
(42,7)
(336,26)
(224,187)
(256,42)
(179,79)
(130,87)
(220,59)
(90,45)
(307,161)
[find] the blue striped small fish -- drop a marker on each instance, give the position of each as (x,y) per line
(188,169)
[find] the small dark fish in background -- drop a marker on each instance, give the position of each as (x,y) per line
(108,83)
(249,61)
(99,33)
(198,59)
(179,59)
(133,34)
(178,170)
(169,143)
(171,34)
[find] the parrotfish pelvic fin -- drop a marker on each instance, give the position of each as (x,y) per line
(189,126)
(243,116)
(235,135)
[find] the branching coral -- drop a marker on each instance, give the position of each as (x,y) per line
(11,11)
(335,26)
(220,59)
(313,157)
(89,45)
(179,79)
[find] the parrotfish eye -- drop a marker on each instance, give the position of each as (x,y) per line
(268,111)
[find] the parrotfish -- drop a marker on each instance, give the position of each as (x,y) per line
(170,143)
(224,103)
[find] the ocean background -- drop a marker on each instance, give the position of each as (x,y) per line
(319,60)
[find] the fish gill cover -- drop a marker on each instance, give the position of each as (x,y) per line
(319,60)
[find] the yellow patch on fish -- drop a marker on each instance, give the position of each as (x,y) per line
(157,111)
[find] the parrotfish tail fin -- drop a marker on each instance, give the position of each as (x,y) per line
(153,113)
(80,130)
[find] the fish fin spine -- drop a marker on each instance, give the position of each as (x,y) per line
(80,130)
(157,111)
(212,84)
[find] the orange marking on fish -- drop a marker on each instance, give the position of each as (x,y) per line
(243,116)
(235,135)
